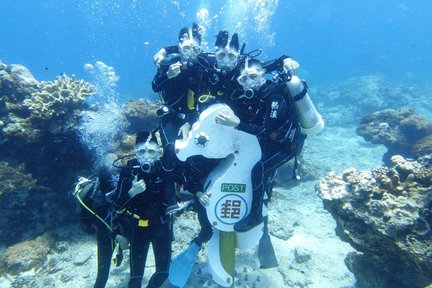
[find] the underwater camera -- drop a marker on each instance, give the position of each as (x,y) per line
(171,59)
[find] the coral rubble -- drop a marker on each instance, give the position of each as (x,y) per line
(386,215)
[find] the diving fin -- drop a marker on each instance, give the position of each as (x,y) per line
(181,267)
(266,254)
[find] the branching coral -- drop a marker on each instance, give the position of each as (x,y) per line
(58,97)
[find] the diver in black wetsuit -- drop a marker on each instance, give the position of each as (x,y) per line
(175,82)
(96,214)
(218,71)
(139,202)
(266,110)
(134,211)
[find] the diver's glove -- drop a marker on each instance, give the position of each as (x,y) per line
(184,130)
(203,198)
(227,118)
(137,187)
(174,70)
(291,66)
(159,56)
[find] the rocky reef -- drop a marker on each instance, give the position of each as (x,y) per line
(385,214)
(402,131)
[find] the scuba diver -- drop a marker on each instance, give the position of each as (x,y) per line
(139,204)
(268,110)
(96,214)
(218,71)
(175,82)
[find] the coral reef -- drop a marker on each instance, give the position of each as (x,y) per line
(16,83)
(25,256)
(385,214)
(41,154)
(13,179)
(141,111)
(56,98)
(402,132)
(27,209)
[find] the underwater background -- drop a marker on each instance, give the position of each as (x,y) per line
(360,216)
(332,40)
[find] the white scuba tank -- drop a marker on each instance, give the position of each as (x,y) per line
(310,120)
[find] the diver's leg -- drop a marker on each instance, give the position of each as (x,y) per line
(168,132)
(255,215)
(105,248)
(139,245)
(206,230)
(161,243)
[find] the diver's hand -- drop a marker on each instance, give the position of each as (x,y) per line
(291,66)
(227,118)
(203,198)
(184,130)
(137,187)
(174,70)
(159,56)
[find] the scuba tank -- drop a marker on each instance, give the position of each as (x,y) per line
(310,120)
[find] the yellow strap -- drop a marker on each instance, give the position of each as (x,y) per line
(205,98)
(143,223)
(91,211)
(191,100)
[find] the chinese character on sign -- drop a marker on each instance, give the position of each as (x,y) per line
(230,209)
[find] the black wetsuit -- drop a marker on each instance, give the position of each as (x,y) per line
(175,93)
(223,87)
(143,220)
(271,116)
(195,171)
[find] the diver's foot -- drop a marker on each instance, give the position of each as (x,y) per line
(172,209)
(248,223)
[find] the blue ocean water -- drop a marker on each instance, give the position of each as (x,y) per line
(333,40)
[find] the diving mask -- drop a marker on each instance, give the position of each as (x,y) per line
(147,154)
(226,58)
(189,49)
(251,78)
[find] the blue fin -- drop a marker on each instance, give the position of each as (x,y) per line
(181,267)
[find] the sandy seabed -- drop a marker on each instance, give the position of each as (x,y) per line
(297,221)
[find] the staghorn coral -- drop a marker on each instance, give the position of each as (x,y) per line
(58,97)
(385,214)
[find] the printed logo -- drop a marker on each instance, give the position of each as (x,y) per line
(233,187)
(230,209)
